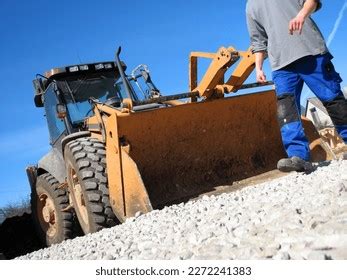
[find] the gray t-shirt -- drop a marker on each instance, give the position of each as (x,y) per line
(268,22)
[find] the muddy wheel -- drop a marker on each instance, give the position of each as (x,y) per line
(86,173)
(47,202)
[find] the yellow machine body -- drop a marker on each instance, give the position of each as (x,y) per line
(168,155)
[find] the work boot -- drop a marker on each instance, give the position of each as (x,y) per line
(294,164)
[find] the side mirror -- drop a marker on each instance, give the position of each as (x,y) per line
(38,86)
(38,100)
(61,111)
(39,89)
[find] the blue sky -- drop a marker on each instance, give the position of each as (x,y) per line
(38,35)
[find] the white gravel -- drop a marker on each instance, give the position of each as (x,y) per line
(298,216)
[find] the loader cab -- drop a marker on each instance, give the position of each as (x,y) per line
(66,93)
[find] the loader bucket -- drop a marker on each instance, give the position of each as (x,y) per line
(184,151)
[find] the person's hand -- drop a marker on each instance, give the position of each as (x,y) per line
(296,24)
(261,77)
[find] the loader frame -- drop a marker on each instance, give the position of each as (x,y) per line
(173,150)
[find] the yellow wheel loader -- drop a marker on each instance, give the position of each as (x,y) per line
(121,147)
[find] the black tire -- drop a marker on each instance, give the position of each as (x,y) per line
(85,160)
(47,202)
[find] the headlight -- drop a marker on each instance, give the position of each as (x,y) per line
(99,66)
(84,67)
(108,66)
(73,69)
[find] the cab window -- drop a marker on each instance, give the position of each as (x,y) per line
(56,126)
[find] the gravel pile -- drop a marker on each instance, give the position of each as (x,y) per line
(299,216)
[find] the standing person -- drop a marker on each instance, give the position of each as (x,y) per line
(284,31)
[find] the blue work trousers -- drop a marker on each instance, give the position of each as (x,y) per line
(320,76)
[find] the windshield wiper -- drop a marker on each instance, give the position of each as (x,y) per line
(70,92)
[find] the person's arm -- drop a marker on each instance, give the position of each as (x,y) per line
(297,23)
(259,62)
(259,46)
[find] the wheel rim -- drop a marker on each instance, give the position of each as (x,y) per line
(47,214)
(80,204)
